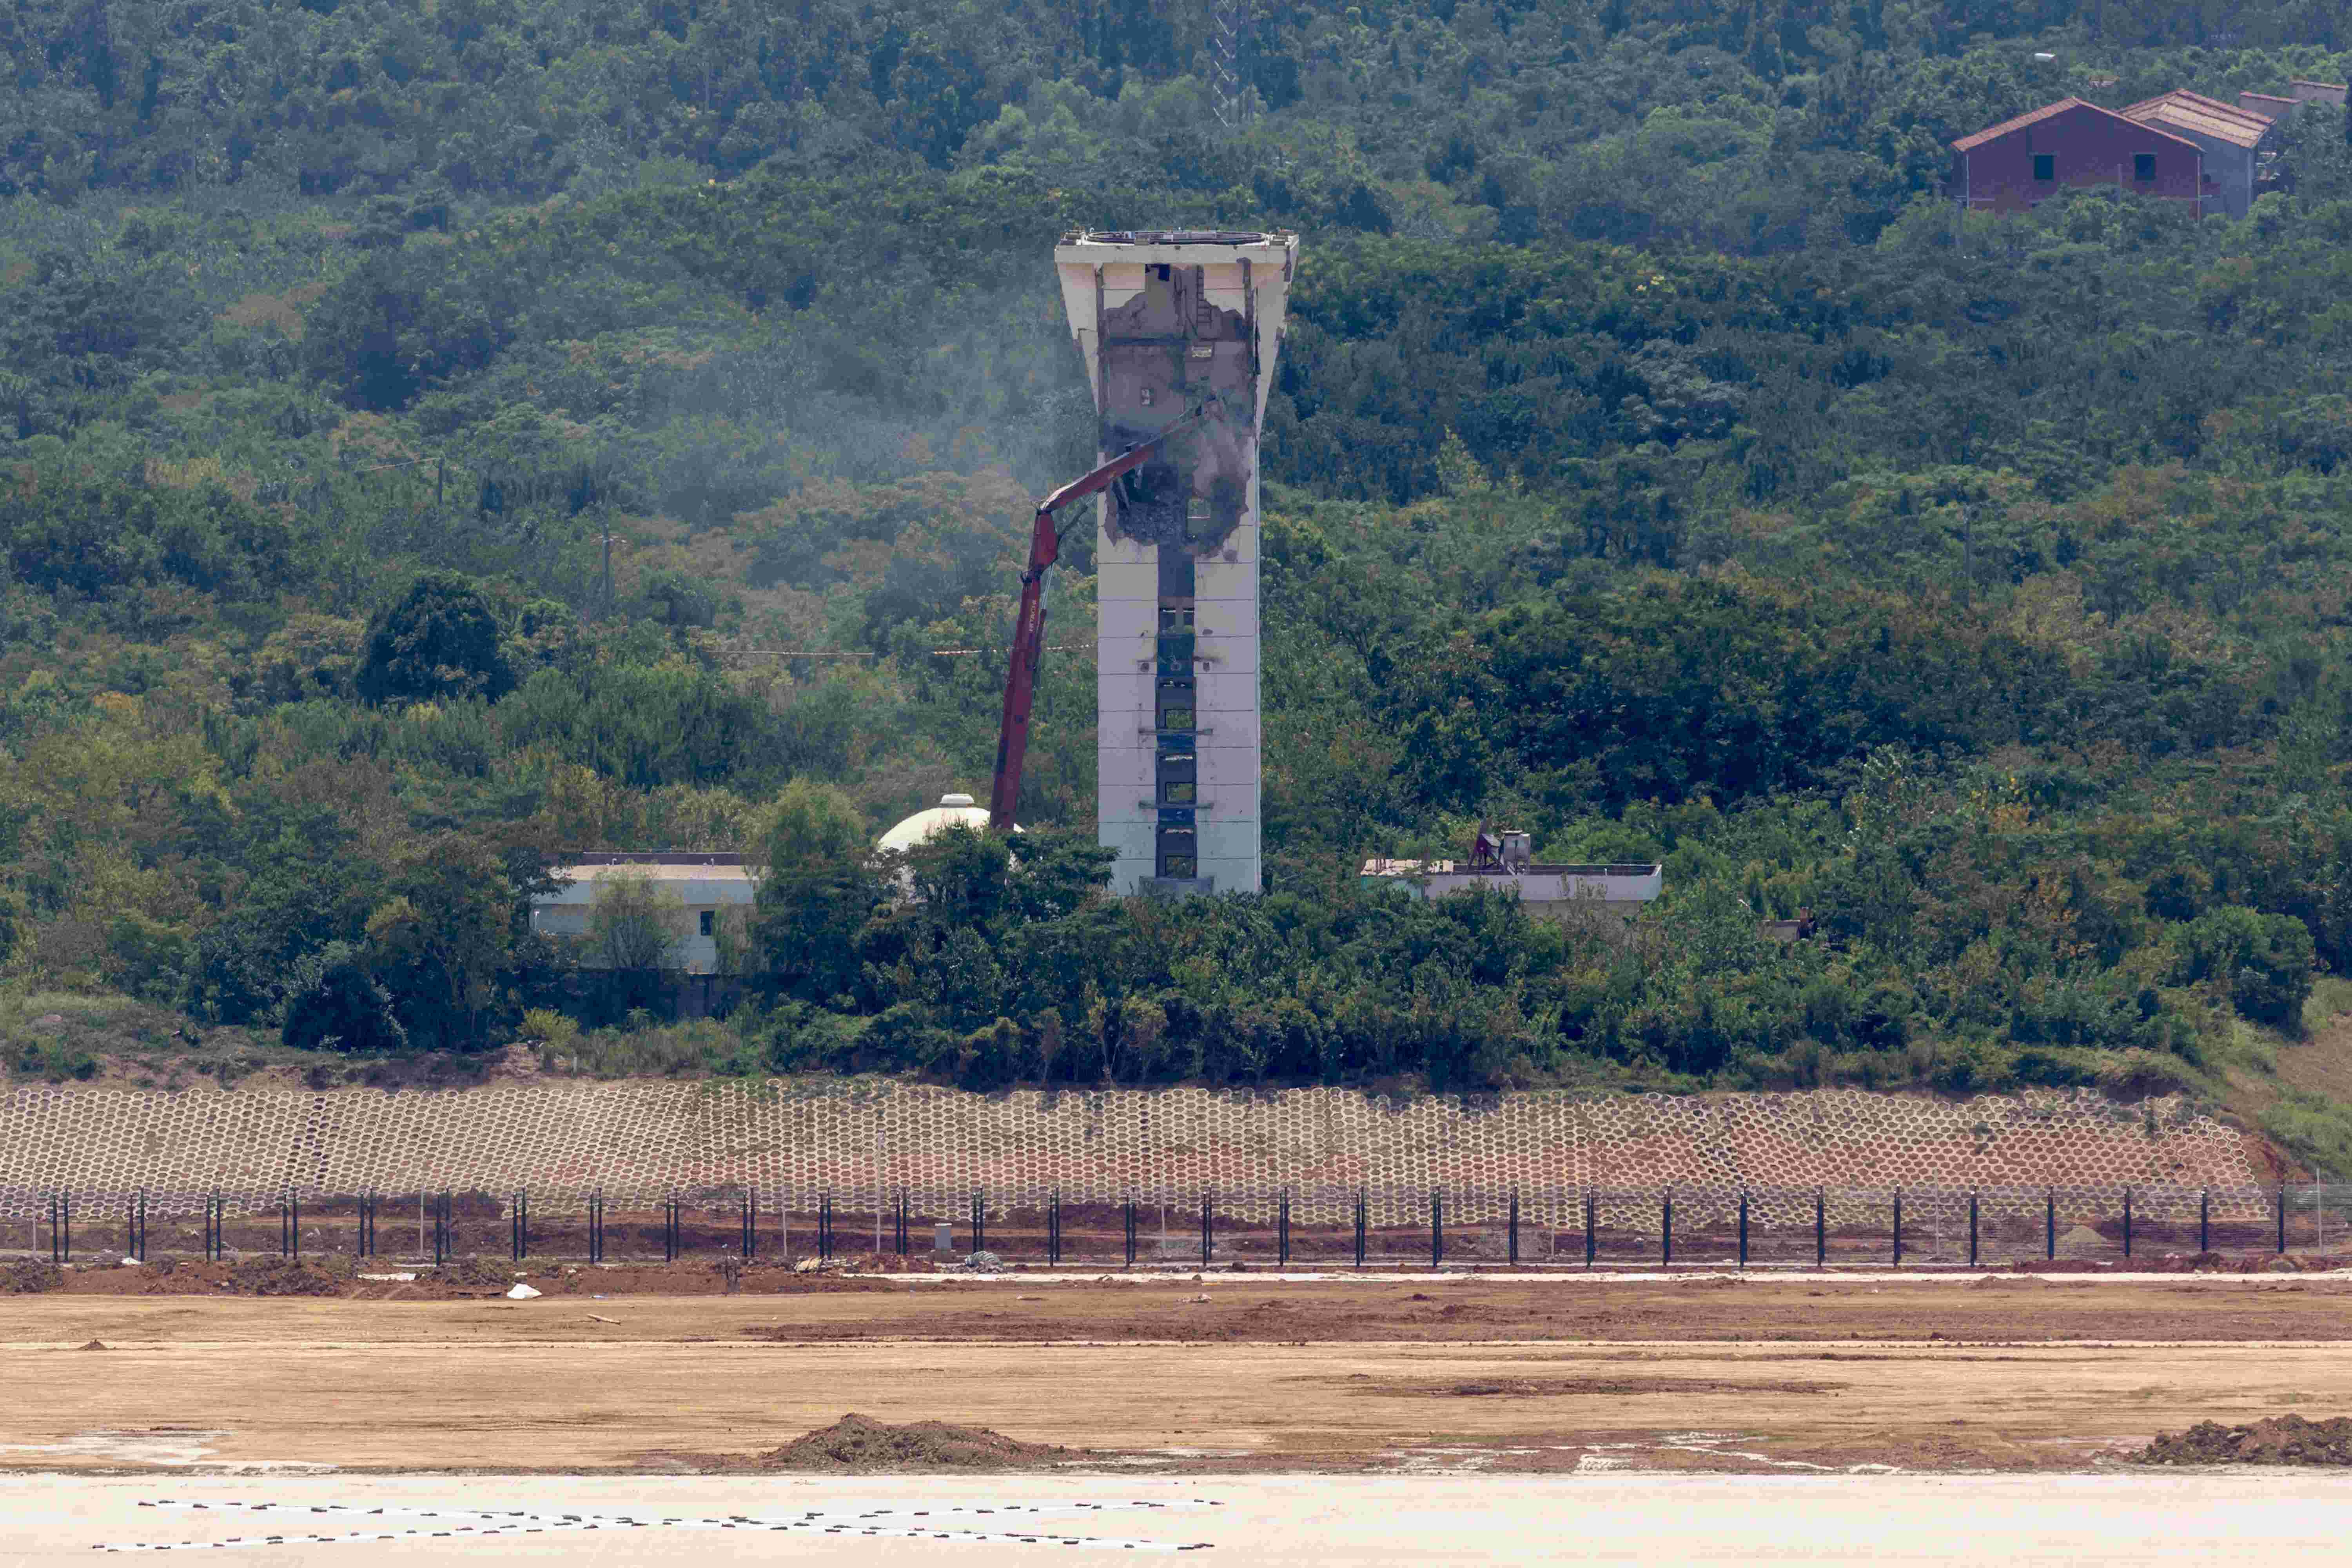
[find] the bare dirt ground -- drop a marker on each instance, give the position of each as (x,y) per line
(1221,1372)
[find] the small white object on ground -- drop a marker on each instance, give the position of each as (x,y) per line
(521,1293)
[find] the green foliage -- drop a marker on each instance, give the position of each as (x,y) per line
(633,922)
(336,1003)
(438,639)
(2262,963)
(432,442)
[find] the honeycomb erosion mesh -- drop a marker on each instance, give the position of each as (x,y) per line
(791,1140)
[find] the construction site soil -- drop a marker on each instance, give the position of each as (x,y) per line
(650,1370)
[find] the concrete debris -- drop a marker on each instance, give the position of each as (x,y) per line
(984,1263)
(521,1293)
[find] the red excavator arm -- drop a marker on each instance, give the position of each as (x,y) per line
(1029,626)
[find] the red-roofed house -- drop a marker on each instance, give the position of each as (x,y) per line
(2071,144)
(2230,137)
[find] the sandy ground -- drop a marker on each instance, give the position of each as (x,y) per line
(2218,1519)
(1791,1376)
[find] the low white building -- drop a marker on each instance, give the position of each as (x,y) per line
(709,886)
(1556,890)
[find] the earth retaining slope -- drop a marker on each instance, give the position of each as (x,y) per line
(792,1139)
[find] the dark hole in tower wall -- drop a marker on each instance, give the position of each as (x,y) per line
(1167,351)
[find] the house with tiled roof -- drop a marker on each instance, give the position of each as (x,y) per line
(2232,140)
(2071,144)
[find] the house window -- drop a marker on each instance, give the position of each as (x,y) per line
(2045,165)
(2143,166)
(702,922)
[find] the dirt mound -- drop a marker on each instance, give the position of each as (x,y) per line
(862,1443)
(2275,1440)
(464,1274)
(27,1277)
(95,1345)
(2009,1282)
(280,1277)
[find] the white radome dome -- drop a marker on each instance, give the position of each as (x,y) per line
(957,810)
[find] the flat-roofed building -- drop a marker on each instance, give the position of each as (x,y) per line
(1549,888)
(708,887)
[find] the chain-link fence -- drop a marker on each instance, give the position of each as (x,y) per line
(1386,1226)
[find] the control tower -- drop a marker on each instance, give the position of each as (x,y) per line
(1179,326)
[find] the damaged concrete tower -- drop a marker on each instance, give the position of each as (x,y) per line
(1178,328)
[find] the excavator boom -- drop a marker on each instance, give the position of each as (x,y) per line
(1029,626)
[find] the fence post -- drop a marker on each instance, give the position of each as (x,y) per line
(1666,1226)
(824,1225)
(748,1243)
(2127,1224)
(1592,1215)
(1363,1218)
(138,1247)
(1515,1227)
(1208,1225)
(441,1229)
(2205,1219)
(979,1219)
(1972,1228)
(1130,1207)
(1743,1227)
(2282,1219)
(1436,1228)
(1821,1230)
(1282,1230)
(596,1225)
(294,1220)
(1898,1227)
(2049,1225)
(1053,1226)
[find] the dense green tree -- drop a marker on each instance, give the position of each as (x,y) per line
(438,639)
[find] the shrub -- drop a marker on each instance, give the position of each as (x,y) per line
(438,639)
(2260,962)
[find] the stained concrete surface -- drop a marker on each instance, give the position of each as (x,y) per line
(2209,1518)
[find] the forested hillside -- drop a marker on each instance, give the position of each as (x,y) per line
(435,436)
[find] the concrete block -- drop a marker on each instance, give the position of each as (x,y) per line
(1230,729)
(1125,654)
(1127,580)
(1235,874)
(1235,795)
(1237,584)
(1229,655)
(1225,620)
(1125,694)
